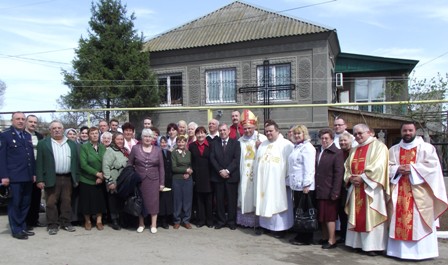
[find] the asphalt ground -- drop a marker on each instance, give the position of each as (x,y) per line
(196,246)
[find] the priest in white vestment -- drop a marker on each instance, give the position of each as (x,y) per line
(366,175)
(273,199)
(418,197)
(249,142)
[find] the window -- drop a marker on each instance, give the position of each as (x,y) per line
(279,78)
(170,89)
(220,86)
(371,90)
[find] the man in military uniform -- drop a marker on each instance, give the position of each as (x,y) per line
(17,169)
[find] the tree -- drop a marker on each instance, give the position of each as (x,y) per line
(70,119)
(110,69)
(2,92)
(433,114)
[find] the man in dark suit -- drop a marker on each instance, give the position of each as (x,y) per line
(17,169)
(32,219)
(225,174)
(57,173)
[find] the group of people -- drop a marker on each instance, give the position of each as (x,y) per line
(228,176)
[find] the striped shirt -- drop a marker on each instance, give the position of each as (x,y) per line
(62,156)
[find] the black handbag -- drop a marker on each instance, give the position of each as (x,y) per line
(133,205)
(306,220)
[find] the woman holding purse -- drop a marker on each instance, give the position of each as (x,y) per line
(114,160)
(301,163)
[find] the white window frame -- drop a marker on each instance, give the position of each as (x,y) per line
(168,89)
(370,93)
(272,72)
(221,95)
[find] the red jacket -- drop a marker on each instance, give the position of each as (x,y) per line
(232,134)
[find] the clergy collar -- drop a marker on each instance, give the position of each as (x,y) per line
(417,141)
(248,138)
(368,141)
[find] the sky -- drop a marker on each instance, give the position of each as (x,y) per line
(38,37)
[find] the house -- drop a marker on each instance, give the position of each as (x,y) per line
(242,55)
(206,61)
(363,78)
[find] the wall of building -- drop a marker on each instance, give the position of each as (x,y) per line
(311,68)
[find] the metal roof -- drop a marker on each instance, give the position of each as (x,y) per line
(359,63)
(236,22)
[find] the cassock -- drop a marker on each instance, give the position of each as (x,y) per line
(418,200)
(273,200)
(246,193)
(366,204)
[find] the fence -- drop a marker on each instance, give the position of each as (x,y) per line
(442,147)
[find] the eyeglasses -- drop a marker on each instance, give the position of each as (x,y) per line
(358,133)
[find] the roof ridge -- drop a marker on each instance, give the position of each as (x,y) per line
(235,22)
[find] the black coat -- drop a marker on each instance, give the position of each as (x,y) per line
(127,182)
(230,160)
(201,167)
(168,168)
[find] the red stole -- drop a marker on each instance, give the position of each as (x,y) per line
(357,166)
(405,201)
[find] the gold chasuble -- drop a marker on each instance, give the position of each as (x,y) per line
(366,204)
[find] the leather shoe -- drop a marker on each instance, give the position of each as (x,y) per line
(68,227)
(99,226)
(28,233)
(219,226)
(21,236)
(340,240)
(176,226)
(278,234)
(188,226)
(320,242)
(88,226)
(115,225)
(52,231)
(210,226)
(297,242)
(39,224)
(329,246)
(232,227)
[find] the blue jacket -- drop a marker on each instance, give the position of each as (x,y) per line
(16,156)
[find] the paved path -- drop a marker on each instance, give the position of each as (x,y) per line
(196,246)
